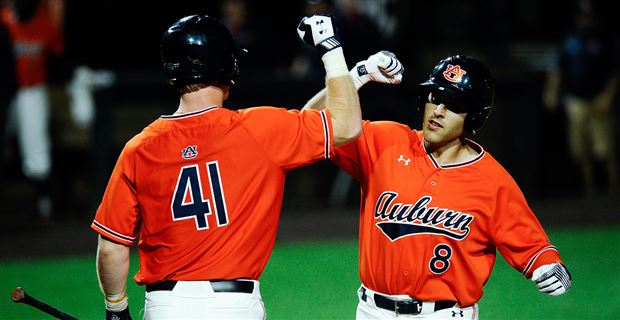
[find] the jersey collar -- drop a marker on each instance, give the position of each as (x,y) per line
(472,143)
(189,114)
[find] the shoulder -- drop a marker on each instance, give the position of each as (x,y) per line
(495,172)
(389,130)
(262,113)
(272,115)
(141,139)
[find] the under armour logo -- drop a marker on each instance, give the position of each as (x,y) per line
(319,23)
(189,152)
(361,70)
(454,313)
(402,158)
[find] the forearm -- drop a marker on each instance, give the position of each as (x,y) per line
(343,104)
(112,267)
(341,98)
(317,102)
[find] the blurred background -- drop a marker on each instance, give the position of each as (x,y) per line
(97,81)
(105,84)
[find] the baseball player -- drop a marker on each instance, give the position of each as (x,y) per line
(201,190)
(35,27)
(435,205)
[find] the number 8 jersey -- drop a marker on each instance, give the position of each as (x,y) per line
(203,191)
(432,231)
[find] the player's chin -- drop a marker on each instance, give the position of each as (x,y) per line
(432,134)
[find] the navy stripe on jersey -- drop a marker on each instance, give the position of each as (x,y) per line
(529,264)
(190,114)
(326,133)
(112,233)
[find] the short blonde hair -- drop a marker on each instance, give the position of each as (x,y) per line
(192,87)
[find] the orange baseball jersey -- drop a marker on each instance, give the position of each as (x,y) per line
(203,191)
(432,231)
(32,42)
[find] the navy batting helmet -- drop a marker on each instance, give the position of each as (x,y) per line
(465,85)
(199,48)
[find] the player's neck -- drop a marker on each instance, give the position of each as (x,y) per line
(456,151)
(203,98)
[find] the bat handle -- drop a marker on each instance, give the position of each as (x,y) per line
(19,295)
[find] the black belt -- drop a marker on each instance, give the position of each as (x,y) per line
(217,285)
(411,306)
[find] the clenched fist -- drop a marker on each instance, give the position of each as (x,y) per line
(319,31)
(552,279)
(381,67)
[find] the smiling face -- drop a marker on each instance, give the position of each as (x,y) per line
(442,127)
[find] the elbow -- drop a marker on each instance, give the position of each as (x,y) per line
(349,135)
(108,250)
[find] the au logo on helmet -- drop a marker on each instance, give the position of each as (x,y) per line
(454,73)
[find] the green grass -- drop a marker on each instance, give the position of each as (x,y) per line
(319,281)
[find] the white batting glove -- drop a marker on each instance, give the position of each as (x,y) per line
(553,279)
(320,32)
(381,67)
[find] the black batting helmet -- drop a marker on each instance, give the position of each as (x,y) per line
(199,48)
(466,85)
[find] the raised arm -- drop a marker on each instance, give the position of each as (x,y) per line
(381,67)
(341,97)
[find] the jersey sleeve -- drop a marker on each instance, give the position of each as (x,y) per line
(290,138)
(118,215)
(518,234)
(357,158)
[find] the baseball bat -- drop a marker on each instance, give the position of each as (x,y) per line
(19,295)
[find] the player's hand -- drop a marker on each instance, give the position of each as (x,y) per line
(119,315)
(320,32)
(381,67)
(553,279)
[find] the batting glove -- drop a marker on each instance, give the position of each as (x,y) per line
(120,315)
(381,67)
(553,279)
(319,31)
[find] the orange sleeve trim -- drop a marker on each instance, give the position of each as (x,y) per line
(113,235)
(547,255)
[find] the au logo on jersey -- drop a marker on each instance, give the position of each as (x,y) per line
(189,152)
(454,73)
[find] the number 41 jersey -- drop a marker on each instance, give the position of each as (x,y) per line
(432,231)
(203,191)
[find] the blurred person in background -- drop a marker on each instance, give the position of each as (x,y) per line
(585,78)
(36,30)
(8,83)
(234,14)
